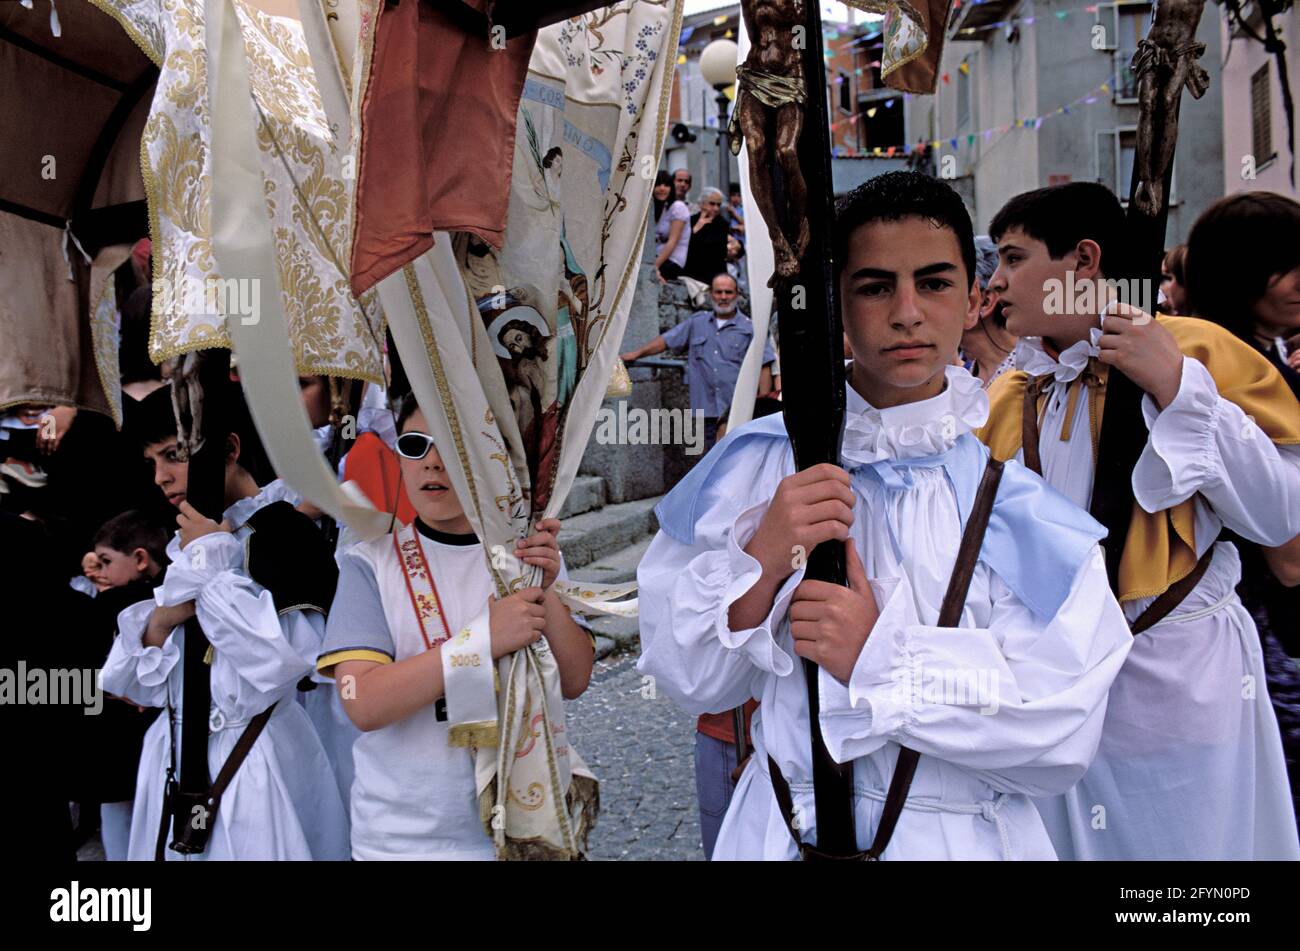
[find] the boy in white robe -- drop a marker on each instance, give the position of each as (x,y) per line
(282,802)
(1190,764)
(414,795)
(1007,705)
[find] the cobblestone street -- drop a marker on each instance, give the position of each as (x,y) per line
(643,752)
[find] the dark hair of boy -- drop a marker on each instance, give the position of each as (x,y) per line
(1061,216)
(897,195)
(1176,263)
(132,530)
(153,420)
(406,409)
(1237,245)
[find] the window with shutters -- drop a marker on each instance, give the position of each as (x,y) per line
(1123,23)
(1261,116)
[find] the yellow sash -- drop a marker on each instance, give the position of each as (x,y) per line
(1161,547)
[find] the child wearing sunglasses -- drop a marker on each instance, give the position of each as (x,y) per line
(414,795)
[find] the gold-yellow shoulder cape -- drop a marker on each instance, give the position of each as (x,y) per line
(1161,547)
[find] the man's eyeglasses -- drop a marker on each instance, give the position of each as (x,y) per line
(414,445)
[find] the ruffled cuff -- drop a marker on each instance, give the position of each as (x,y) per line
(131,660)
(198,563)
(740,572)
(1181,456)
(877,703)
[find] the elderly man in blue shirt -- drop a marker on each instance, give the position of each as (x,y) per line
(717,340)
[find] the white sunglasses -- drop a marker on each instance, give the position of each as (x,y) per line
(414,445)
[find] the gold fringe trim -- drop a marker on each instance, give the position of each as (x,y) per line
(479,733)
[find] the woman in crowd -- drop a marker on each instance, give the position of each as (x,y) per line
(672,237)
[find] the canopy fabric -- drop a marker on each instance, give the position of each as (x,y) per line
(307,190)
(70,191)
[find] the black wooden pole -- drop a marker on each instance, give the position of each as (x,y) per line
(206,491)
(1123,433)
(812,369)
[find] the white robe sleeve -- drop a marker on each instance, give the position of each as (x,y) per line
(133,670)
(1018,702)
(1202,442)
(686,593)
(269,651)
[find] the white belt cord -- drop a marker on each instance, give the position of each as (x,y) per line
(1195,615)
(988,809)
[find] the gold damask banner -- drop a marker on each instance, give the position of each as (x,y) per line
(306,188)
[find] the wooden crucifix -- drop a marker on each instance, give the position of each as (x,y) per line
(781,111)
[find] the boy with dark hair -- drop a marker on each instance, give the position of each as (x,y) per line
(1190,764)
(132,554)
(259,582)
(1010,705)
(130,548)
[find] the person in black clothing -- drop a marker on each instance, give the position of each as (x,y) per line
(43,618)
(1243,272)
(707,254)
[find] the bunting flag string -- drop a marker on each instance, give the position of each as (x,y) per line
(1032,124)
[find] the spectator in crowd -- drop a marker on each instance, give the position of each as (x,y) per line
(682,186)
(1255,237)
(672,234)
(737,264)
(735,212)
(988,348)
(1173,282)
(716,341)
(707,255)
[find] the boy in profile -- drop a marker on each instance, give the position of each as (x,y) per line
(1190,764)
(260,582)
(1008,706)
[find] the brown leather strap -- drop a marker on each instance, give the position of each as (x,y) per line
(1172,596)
(949,616)
(1029,423)
(243,746)
(237,757)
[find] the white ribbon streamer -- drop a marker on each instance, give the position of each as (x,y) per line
(244,250)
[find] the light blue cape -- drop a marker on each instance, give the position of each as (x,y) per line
(1036,541)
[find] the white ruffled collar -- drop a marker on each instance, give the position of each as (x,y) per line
(1033,358)
(912,430)
(277,491)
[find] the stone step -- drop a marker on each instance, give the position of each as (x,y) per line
(621,633)
(590,536)
(588,493)
(616,568)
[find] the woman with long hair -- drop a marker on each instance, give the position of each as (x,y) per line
(672,237)
(1243,272)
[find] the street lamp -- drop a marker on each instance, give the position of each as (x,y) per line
(718,67)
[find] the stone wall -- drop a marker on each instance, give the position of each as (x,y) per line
(641,471)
